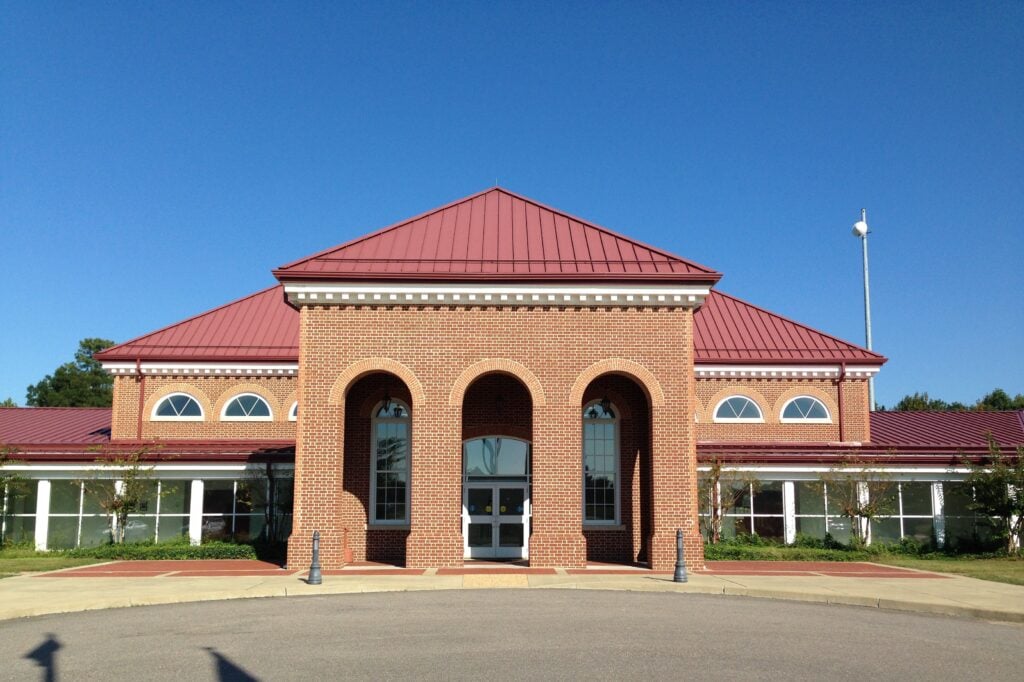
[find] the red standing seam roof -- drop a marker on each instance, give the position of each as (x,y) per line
(496,235)
(54,425)
(965,429)
(261,327)
(729,330)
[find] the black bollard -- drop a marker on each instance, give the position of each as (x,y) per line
(680,575)
(315,578)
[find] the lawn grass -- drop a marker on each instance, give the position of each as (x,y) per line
(35,564)
(1001,570)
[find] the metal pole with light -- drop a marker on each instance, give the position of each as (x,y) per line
(860,229)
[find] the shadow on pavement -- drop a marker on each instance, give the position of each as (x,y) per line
(45,656)
(227,671)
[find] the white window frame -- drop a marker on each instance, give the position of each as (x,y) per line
(293,412)
(737,420)
(374,420)
(153,416)
(225,418)
(616,422)
(805,420)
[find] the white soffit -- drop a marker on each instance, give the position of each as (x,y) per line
(399,293)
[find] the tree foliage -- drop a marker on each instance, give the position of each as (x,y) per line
(860,493)
(81,383)
(8,402)
(721,489)
(998,399)
(127,494)
(998,486)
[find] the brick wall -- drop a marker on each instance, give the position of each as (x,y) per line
(212,393)
(437,353)
(771,395)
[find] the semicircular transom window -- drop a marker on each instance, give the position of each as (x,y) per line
(805,409)
(178,406)
(738,408)
(247,407)
(293,414)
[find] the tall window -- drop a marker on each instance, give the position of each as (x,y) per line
(389,483)
(600,463)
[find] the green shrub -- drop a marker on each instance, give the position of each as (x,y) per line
(175,549)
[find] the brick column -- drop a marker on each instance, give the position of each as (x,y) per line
(557,490)
(435,536)
(319,456)
(674,487)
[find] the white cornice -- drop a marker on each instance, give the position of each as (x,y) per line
(408,294)
(706,371)
(701,371)
(204,368)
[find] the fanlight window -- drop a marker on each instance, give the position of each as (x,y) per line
(389,483)
(293,413)
(178,406)
(247,407)
(805,409)
(496,456)
(600,463)
(738,408)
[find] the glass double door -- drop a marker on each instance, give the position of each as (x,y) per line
(496,520)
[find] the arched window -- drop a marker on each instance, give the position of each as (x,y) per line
(389,475)
(804,408)
(600,463)
(246,407)
(738,408)
(178,407)
(293,414)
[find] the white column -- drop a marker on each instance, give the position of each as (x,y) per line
(789,509)
(938,515)
(863,495)
(195,513)
(42,514)
(119,491)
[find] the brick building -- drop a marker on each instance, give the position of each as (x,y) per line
(491,379)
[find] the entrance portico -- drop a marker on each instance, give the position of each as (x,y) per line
(495,366)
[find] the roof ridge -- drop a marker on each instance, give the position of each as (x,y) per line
(515,195)
(57,407)
(385,229)
(187,319)
(792,321)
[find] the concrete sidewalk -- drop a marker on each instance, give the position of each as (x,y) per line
(31,595)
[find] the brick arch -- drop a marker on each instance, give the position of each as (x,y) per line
(634,370)
(500,366)
(232,390)
(745,390)
(180,387)
(368,366)
(798,390)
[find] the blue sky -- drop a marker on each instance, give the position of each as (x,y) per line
(159,159)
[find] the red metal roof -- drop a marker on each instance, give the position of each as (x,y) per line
(264,328)
(496,235)
(729,330)
(261,327)
(957,429)
(54,425)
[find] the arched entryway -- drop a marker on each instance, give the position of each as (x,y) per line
(497,431)
(377,467)
(615,419)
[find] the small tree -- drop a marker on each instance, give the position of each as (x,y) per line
(11,483)
(860,493)
(8,402)
(722,489)
(998,485)
(126,494)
